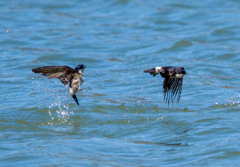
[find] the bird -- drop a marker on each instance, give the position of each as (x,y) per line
(172,84)
(66,74)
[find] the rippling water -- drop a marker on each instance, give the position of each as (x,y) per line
(122,119)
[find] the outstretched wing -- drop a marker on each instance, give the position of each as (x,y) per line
(172,89)
(64,73)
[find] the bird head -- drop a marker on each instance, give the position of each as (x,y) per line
(182,71)
(80,68)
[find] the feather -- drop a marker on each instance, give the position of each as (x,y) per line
(64,73)
(172,84)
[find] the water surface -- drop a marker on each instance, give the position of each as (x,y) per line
(122,119)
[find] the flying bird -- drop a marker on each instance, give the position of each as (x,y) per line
(66,74)
(172,84)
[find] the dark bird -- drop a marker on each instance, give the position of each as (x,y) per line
(66,74)
(172,83)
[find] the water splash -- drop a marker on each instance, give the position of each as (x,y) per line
(60,112)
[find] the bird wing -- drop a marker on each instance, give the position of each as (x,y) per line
(64,73)
(176,89)
(172,89)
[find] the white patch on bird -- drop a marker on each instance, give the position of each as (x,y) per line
(179,75)
(71,91)
(158,69)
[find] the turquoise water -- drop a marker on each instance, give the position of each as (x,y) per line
(122,119)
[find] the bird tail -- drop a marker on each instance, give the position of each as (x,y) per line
(151,71)
(75,98)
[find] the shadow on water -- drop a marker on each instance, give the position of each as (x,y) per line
(164,144)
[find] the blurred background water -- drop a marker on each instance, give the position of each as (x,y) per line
(122,119)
